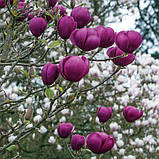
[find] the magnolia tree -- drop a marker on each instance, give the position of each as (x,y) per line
(67,89)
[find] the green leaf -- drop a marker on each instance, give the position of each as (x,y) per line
(26,73)
(54,44)
(44,41)
(49,93)
(11,148)
(60,88)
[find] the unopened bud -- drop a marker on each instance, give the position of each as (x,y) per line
(29,113)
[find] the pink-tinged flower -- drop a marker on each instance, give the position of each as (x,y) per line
(128,41)
(65,26)
(100,142)
(2,3)
(122,61)
(77,142)
(131,113)
(107,36)
(49,73)
(85,38)
(37,26)
(74,68)
(61,9)
(81,16)
(52,3)
(65,129)
(104,113)
(30,16)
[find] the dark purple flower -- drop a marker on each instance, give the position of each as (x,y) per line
(107,36)
(100,142)
(104,113)
(49,73)
(86,38)
(65,26)
(59,8)
(30,16)
(128,41)
(132,113)
(52,3)
(81,16)
(37,26)
(22,14)
(2,3)
(122,61)
(73,68)
(65,129)
(77,142)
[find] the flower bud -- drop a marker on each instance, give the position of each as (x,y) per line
(2,3)
(29,113)
(77,142)
(22,14)
(49,73)
(61,9)
(107,36)
(30,16)
(122,61)
(65,129)
(128,41)
(81,16)
(104,113)
(52,3)
(100,142)
(65,26)
(131,113)
(86,39)
(37,26)
(74,68)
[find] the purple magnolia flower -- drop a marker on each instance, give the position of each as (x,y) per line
(65,129)
(107,36)
(37,26)
(131,113)
(100,142)
(73,68)
(30,16)
(128,41)
(77,142)
(81,16)
(104,113)
(65,26)
(86,38)
(49,73)
(52,3)
(122,61)
(2,3)
(22,14)
(59,8)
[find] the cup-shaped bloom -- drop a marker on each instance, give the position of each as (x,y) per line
(52,3)
(131,113)
(85,38)
(65,26)
(100,142)
(128,41)
(2,3)
(22,14)
(81,16)
(77,142)
(49,73)
(37,26)
(65,129)
(122,61)
(60,9)
(104,113)
(74,68)
(107,36)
